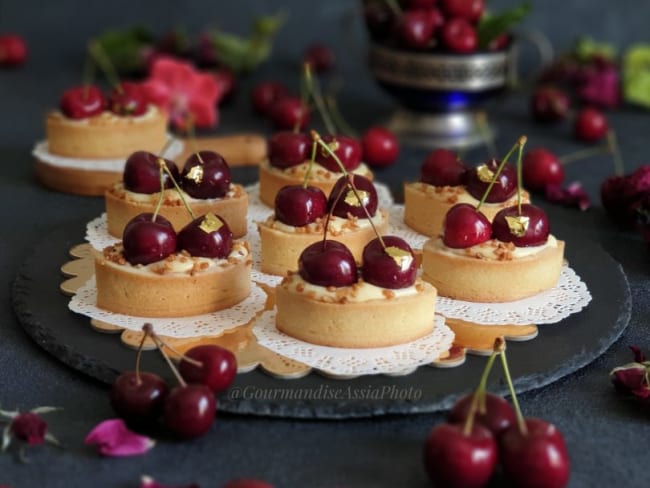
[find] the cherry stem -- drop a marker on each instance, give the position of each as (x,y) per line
(170,363)
(312,160)
(313,88)
(498,171)
(584,153)
(164,167)
(166,147)
(394,6)
(520,182)
(161,172)
(501,345)
(99,55)
(479,394)
(338,118)
(88,75)
(612,143)
(178,353)
(486,134)
(145,329)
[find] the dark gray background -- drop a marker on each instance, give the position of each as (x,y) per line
(608,437)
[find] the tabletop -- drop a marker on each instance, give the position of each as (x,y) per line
(606,435)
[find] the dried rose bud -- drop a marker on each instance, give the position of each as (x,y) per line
(633,378)
(29,427)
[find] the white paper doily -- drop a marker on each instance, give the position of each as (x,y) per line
(398,227)
(41,152)
(355,362)
(85,300)
(569,296)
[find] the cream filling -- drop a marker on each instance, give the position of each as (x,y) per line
(458,194)
(357,293)
(180,263)
(169,195)
(318,172)
(106,115)
(490,249)
(337,225)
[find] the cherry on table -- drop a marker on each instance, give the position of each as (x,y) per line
(289,113)
(379,19)
(206,236)
(265,94)
(327,263)
(470,10)
(536,232)
(379,147)
(549,104)
(146,240)
(299,206)
(127,99)
(464,227)
(590,125)
(540,168)
(414,29)
(442,167)
(320,57)
(247,483)
(138,397)
(497,416)
(478,181)
(287,149)
(343,199)
(142,173)
(206,174)
(217,370)
(189,410)
(82,102)
(389,264)
(13,50)
(455,459)
(459,36)
(347,150)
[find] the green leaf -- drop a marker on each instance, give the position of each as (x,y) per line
(124,47)
(491,26)
(636,75)
(586,48)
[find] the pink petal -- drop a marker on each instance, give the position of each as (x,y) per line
(148,482)
(639,357)
(628,377)
(205,115)
(157,92)
(113,438)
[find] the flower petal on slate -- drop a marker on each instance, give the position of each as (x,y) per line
(113,438)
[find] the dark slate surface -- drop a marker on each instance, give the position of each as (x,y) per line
(607,436)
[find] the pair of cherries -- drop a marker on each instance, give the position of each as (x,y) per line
(273,100)
(82,102)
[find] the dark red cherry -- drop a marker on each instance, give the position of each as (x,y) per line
(138,398)
(343,199)
(414,30)
(299,206)
(217,370)
(81,102)
(320,57)
(247,483)
(496,414)
(590,125)
(127,99)
(391,267)
(327,263)
(146,240)
(379,147)
(346,148)
(206,175)
(418,4)
(288,149)
(549,104)
(540,168)
(289,113)
(206,236)
(507,226)
(13,50)
(142,173)
(442,167)
(189,411)
(459,36)
(470,10)
(379,19)
(464,226)
(265,94)
(505,186)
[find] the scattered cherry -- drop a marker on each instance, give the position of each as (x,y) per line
(320,57)
(470,10)
(13,50)
(206,174)
(247,483)
(142,173)
(189,410)
(138,397)
(288,149)
(540,168)
(442,167)
(327,263)
(415,30)
(206,236)
(590,125)
(379,146)
(347,150)
(549,104)
(298,206)
(82,101)
(265,94)
(459,36)
(464,226)
(289,113)
(217,370)
(497,416)
(343,201)
(504,187)
(146,240)
(389,263)
(127,99)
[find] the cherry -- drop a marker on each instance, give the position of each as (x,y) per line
(540,168)
(227,83)
(390,264)
(347,150)
(379,19)
(501,42)
(470,10)
(146,240)
(537,458)
(142,173)
(289,113)
(206,175)
(206,54)
(436,18)
(327,263)
(459,36)
(590,125)
(464,226)
(320,57)
(478,181)
(13,50)
(497,415)
(343,201)
(549,104)
(288,149)
(418,4)
(189,410)
(443,168)
(247,483)
(379,147)
(82,101)
(138,397)
(127,99)
(535,234)
(217,370)
(299,206)
(455,459)
(415,29)
(206,236)
(265,94)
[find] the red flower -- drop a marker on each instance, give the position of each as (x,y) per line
(572,195)
(633,378)
(185,94)
(29,427)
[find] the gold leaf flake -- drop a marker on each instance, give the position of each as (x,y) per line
(484,173)
(195,174)
(352,200)
(518,224)
(210,223)
(402,257)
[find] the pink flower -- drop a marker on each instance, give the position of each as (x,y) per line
(29,427)
(148,482)
(113,438)
(184,93)
(633,378)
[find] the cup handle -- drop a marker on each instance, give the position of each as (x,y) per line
(544,49)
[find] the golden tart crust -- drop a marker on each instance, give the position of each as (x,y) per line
(106,135)
(158,291)
(384,322)
(122,206)
(425,206)
(467,275)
